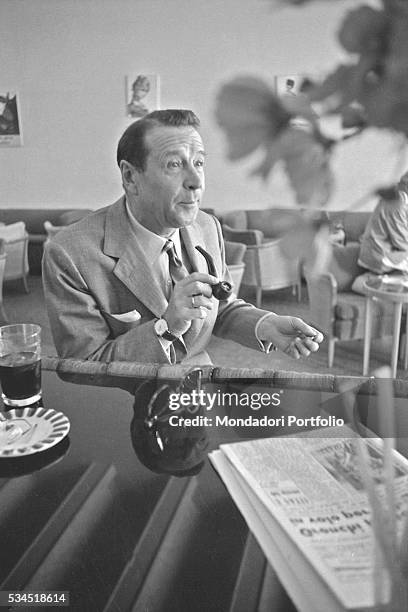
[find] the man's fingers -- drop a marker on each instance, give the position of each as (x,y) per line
(318,336)
(299,344)
(293,351)
(199,312)
(198,288)
(191,285)
(307,331)
(199,301)
(199,277)
(311,344)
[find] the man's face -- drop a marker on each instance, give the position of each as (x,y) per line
(170,189)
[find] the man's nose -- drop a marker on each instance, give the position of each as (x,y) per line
(193,180)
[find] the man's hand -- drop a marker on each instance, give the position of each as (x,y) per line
(191,299)
(290,335)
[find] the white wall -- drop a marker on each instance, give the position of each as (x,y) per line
(68,60)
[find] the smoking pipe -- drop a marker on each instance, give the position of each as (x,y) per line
(221,290)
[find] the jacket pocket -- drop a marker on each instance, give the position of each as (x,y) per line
(122,322)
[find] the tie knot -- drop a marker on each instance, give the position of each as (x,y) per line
(170,249)
(169,245)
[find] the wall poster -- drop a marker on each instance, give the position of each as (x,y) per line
(142,94)
(10,122)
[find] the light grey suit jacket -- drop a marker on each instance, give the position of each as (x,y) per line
(102,297)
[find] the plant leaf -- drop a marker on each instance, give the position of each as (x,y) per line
(250,114)
(309,242)
(306,163)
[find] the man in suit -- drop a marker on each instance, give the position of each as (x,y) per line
(109,279)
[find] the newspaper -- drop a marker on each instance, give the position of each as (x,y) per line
(312,487)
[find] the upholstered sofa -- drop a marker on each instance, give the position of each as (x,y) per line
(34,219)
(334,308)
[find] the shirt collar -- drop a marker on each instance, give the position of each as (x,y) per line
(151,243)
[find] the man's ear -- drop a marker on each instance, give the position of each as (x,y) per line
(129,176)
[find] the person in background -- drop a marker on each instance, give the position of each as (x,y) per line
(126,283)
(384,245)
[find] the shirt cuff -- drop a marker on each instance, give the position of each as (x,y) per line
(265,345)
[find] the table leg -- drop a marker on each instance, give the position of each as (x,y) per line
(395,339)
(367,336)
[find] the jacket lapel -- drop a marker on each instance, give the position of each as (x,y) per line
(191,237)
(132,267)
(134,270)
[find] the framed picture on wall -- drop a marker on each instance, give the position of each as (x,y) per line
(288,84)
(10,122)
(292,88)
(142,94)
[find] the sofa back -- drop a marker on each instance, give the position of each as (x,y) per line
(275,221)
(353,222)
(34,217)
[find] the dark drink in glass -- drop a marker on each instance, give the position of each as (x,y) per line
(20,375)
(20,364)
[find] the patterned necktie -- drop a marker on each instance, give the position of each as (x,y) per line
(177,273)
(176,268)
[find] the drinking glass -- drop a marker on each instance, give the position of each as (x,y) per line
(20,364)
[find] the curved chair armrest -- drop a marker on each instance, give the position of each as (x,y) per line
(51,229)
(248,237)
(265,244)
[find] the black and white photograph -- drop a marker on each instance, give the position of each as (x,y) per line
(204,305)
(10,122)
(142,94)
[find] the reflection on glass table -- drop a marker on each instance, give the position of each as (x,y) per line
(128,537)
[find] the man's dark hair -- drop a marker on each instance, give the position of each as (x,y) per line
(132,146)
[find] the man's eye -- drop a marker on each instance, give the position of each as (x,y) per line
(174,164)
(199,163)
